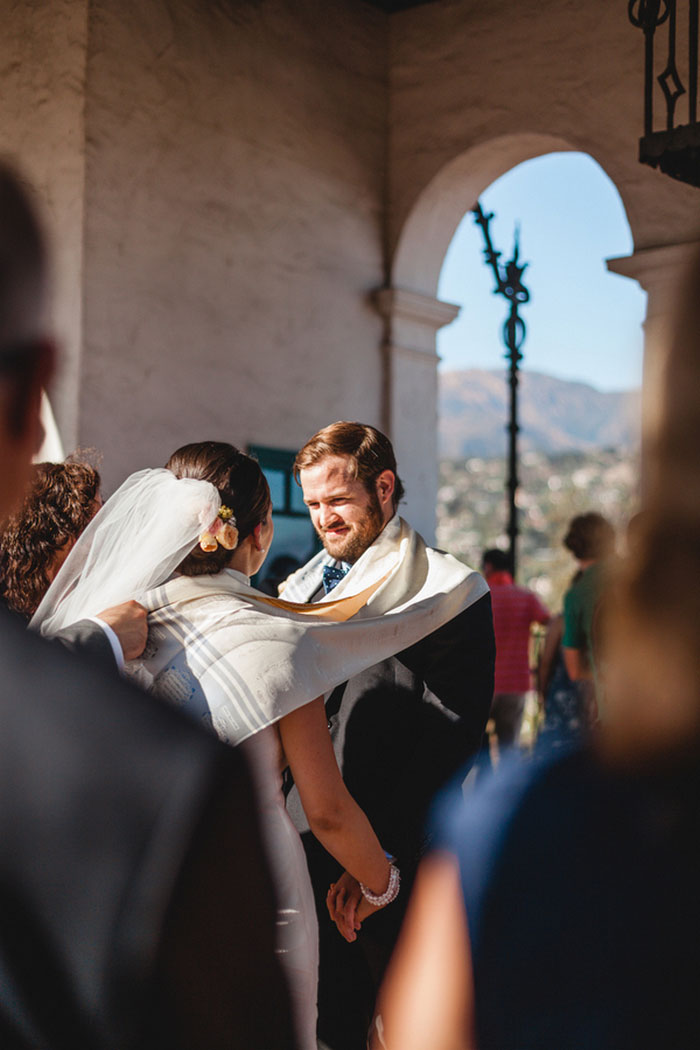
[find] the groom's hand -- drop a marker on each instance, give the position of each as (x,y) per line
(342,902)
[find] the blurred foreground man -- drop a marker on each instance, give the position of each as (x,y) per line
(135,904)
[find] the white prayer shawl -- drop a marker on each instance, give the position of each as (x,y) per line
(240,661)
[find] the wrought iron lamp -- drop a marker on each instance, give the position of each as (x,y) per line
(676,149)
(510,285)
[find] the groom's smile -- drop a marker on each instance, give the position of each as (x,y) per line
(346,515)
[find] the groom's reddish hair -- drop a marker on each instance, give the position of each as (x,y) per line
(371,453)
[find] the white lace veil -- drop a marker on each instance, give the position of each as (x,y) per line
(134,543)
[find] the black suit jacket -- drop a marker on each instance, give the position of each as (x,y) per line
(400,730)
(136,909)
(87,638)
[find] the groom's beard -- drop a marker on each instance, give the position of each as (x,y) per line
(360,535)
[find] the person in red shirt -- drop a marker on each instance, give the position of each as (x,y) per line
(515,609)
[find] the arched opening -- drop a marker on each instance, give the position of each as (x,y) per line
(429,228)
(416,307)
(572,219)
(579,392)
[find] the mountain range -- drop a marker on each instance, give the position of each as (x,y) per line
(555,415)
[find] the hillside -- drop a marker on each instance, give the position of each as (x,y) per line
(555,415)
(554,487)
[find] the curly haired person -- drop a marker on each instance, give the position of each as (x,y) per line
(34,542)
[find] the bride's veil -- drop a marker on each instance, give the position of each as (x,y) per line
(134,543)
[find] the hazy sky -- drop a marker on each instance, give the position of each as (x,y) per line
(583,322)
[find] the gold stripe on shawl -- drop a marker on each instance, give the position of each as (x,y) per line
(337,609)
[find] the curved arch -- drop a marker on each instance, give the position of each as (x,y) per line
(438,210)
(413,311)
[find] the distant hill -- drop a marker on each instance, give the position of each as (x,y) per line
(555,415)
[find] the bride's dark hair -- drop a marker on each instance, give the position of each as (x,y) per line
(241,485)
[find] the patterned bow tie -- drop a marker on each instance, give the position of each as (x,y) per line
(332,577)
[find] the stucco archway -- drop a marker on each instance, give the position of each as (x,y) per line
(438,210)
(414,313)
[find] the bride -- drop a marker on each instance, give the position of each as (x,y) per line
(184,541)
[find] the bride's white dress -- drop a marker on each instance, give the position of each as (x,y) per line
(297,929)
(181,668)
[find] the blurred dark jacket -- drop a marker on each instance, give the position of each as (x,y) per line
(136,909)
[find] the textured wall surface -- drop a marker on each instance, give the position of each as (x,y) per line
(228,181)
(42,93)
(234,195)
(477,88)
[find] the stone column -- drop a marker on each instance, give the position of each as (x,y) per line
(659,271)
(410,396)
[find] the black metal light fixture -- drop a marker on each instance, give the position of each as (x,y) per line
(675,150)
(509,284)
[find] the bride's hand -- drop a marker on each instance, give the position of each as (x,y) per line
(342,902)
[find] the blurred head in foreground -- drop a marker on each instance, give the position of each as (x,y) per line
(654,626)
(525,929)
(26,354)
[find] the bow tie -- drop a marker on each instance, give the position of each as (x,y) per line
(332,577)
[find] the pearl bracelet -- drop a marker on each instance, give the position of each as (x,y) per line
(390,893)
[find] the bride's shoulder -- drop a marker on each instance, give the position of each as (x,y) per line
(179,588)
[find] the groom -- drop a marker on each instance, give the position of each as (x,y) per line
(399,729)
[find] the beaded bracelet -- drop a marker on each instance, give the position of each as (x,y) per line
(390,893)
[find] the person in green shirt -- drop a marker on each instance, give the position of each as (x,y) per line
(591,539)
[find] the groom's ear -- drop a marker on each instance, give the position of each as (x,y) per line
(386,484)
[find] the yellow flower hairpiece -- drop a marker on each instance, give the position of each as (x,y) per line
(221,533)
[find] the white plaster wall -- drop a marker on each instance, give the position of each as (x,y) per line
(481,87)
(411,401)
(234,192)
(42,80)
(414,391)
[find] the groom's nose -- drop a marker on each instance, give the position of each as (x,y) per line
(327,515)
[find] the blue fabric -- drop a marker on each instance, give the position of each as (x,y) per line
(476,830)
(580,885)
(332,575)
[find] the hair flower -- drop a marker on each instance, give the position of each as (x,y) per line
(228,536)
(222,532)
(208,542)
